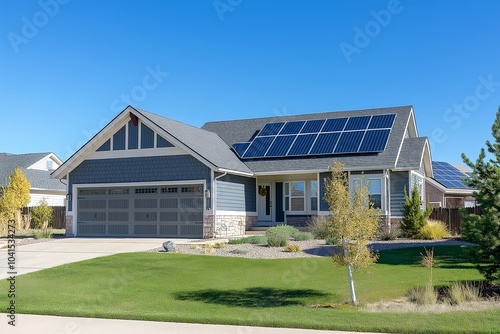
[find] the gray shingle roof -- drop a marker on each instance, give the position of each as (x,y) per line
(206,144)
(39,179)
(411,152)
(243,130)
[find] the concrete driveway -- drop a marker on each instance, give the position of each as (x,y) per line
(42,255)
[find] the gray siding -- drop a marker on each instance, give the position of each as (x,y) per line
(144,169)
(399,180)
(236,193)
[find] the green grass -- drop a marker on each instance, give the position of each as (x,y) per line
(224,290)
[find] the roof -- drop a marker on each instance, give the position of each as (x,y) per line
(40,179)
(411,154)
(243,130)
(206,144)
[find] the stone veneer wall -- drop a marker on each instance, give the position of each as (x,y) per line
(69,226)
(227,226)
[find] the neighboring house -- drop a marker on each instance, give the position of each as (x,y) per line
(37,168)
(446,188)
(146,175)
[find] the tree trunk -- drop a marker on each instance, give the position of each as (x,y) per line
(349,274)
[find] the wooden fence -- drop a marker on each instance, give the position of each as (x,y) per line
(452,217)
(58,216)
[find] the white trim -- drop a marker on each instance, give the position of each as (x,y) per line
(235,172)
(144,152)
(236,213)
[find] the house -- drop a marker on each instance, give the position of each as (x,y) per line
(145,175)
(37,168)
(446,188)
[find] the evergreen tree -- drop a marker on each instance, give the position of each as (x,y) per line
(484,230)
(413,216)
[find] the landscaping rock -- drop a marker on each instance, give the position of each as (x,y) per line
(169,246)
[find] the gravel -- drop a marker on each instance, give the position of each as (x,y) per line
(311,248)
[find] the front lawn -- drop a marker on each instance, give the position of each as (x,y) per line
(224,290)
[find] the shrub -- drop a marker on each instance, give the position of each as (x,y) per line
(44,233)
(219,245)
(391,234)
(303,236)
(318,226)
(208,248)
(459,293)
(277,240)
(331,241)
(433,230)
(292,248)
(41,215)
(254,239)
(426,295)
(196,247)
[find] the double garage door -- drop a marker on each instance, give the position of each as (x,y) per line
(156,211)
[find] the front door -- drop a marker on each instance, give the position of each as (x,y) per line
(264,202)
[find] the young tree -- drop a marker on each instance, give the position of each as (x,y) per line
(353,220)
(484,230)
(413,217)
(15,195)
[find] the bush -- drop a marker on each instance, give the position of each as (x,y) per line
(391,234)
(43,233)
(208,248)
(331,241)
(303,236)
(238,251)
(292,248)
(423,295)
(318,226)
(459,293)
(41,215)
(219,245)
(277,240)
(254,240)
(433,230)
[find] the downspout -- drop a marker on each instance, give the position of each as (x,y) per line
(214,209)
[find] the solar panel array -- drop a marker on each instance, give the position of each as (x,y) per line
(360,134)
(448,176)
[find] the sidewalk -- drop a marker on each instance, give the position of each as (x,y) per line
(27,323)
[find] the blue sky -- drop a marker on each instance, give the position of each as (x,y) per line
(67,67)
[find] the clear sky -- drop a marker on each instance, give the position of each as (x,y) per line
(67,67)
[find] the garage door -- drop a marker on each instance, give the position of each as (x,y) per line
(158,211)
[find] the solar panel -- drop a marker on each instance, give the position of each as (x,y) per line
(240,148)
(280,146)
(325,143)
(271,129)
(335,124)
(448,176)
(258,147)
(382,121)
(292,128)
(345,135)
(357,123)
(313,126)
(374,140)
(349,142)
(302,144)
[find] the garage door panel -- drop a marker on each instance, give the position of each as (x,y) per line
(145,211)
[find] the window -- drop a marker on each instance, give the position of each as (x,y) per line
(374,188)
(314,195)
